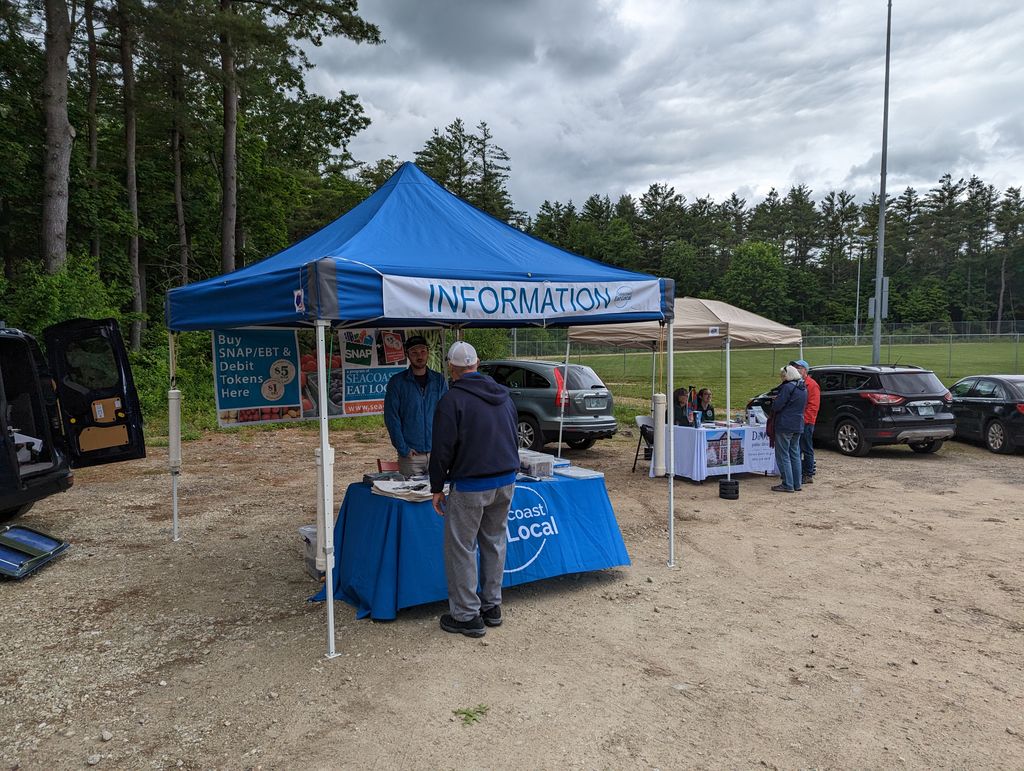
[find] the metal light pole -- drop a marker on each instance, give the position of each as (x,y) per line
(856,312)
(876,341)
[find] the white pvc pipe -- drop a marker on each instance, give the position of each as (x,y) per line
(659,435)
(174,452)
(671,454)
(327,479)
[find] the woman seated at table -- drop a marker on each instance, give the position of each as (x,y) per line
(704,405)
(680,413)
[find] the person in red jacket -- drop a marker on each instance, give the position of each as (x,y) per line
(810,415)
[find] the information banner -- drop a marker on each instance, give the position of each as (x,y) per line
(458,300)
(256,375)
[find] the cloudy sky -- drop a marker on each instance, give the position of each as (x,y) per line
(711,97)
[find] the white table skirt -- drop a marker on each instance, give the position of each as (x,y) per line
(701,452)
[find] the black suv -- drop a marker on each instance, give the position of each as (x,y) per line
(537,388)
(862,406)
(76,408)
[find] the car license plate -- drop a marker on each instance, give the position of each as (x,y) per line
(595,403)
(925,409)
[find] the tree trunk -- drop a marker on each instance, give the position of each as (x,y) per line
(59,136)
(229,178)
(131,185)
(179,198)
(90,33)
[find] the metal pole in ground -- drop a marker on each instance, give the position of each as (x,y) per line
(950,373)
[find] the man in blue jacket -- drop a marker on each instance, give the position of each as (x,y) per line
(409,404)
(476,449)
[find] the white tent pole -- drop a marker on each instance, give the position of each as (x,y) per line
(564,396)
(173,431)
(671,453)
(327,479)
(728,407)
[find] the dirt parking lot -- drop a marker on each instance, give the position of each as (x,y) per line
(874,620)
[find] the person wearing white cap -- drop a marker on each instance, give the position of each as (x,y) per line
(810,466)
(476,449)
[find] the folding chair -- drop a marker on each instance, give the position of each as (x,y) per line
(387,465)
(646,425)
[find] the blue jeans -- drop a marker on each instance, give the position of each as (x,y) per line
(807,448)
(787,458)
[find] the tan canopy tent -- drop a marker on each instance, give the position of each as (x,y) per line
(699,325)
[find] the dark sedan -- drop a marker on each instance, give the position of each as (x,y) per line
(990,408)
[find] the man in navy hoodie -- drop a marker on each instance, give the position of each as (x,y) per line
(476,448)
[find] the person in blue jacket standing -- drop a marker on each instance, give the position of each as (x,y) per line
(409,403)
(788,419)
(476,449)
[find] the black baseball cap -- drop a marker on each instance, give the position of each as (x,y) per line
(416,340)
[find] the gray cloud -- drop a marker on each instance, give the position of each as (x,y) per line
(709,97)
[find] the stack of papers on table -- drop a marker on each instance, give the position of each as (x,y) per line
(577,472)
(411,490)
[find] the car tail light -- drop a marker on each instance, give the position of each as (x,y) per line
(1020,408)
(947,397)
(876,398)
(560,392)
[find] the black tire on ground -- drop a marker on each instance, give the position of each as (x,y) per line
(927,447)
(530,435)
(849,439)
(581,444)
(996,439)
(17,511)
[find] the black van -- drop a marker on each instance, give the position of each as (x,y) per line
(76,407)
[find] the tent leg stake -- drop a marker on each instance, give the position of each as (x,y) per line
(326,491)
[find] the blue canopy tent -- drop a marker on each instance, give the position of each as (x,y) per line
(413,255)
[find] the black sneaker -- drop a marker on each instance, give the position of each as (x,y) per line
(807,480)
(492,616)
(472,628)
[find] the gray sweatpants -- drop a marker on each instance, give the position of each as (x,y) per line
(473,518)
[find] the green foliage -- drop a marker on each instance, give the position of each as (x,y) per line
(489,343)
(471,715)
(756,278)
(35,299)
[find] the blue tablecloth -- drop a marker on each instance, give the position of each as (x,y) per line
(390,555)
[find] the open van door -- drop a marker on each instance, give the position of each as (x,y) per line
(99,408)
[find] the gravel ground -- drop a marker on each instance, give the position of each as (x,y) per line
(875,619)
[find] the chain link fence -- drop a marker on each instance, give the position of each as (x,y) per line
(949,343)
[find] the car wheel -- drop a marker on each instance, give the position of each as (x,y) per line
(17,511)
(927,447)
(581,444)
(530,436)
(850,439)
(996,439)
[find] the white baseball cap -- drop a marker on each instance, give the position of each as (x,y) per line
(462,354)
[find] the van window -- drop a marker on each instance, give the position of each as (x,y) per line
(91,364)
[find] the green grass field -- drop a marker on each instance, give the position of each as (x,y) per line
(628,375)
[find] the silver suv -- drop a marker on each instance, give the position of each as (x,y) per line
(536,388)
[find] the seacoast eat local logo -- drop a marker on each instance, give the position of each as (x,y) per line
(530,524)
